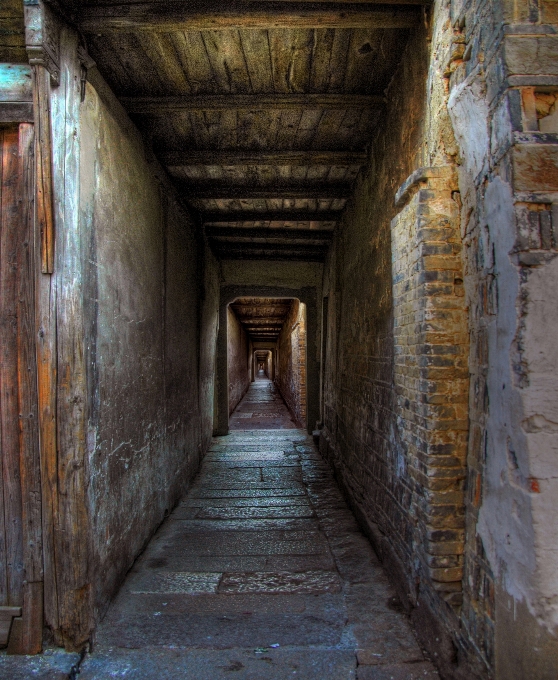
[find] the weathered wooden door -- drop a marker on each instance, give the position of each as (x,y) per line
(21,568)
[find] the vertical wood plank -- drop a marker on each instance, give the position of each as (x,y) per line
(72,531)
(3,546)
(8,367)
(45,336)
(43,156)
(30,470)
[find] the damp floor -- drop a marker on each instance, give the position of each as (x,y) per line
(260,573)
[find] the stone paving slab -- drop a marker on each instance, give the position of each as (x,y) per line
(224,631)
(181,541)
(415,671)
(53,664)
(258,512)
(247,493)
(266,501)
(249,524)
(237,664)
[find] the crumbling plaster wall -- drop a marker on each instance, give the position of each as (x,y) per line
(502,82)
(141,290)
(474,93)
(291,370)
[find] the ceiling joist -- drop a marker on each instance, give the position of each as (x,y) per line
(291,235)
(295,191)
(180,158)
(223,217)
(271,255)
(252,102)
(242,14)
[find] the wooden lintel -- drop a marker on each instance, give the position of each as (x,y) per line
(236,216)
(232,192)
(237,14)
(293,235)
(251,102)
(181,158)
(16,112)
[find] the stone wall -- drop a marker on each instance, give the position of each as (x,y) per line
(238,360)
(291,369)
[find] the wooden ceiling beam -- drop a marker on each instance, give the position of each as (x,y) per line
(223,217)
(251,102)
(292,235)
(251,245)
(180,158)
(242,14)
(272,255)
(233,192)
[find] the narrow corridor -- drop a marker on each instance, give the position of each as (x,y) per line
(260,573)
(262,408)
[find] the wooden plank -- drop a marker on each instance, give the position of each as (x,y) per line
(16,112)
(9,412)
(238,14)
(139,66)
(291,235)
(257,54)
(43,164)
(181,157)
(45,333)
(287,192)
(329,61)
(264,247)
(7,614)
(270,255)
(30,463)
(72,537)
(191,52)
(291,53)
(160,51)
(3,536)
(15,83)
(327,136)
(227,60)
(217,217)
(252,102)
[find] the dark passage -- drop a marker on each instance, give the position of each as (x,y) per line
(263,407)
(260,572)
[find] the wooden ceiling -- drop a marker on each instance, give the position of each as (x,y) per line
(261,111)
(262,318)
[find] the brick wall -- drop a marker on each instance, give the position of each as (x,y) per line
(430,373)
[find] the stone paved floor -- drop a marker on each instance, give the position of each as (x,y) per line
(261,573)
(262,408)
